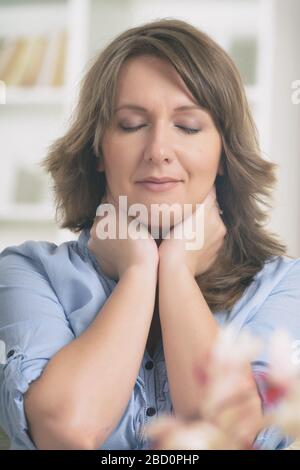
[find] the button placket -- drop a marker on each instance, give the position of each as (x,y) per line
(150,376)
(151,411)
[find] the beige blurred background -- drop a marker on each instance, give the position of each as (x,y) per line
(45,46)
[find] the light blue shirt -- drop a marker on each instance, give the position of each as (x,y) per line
(50,294)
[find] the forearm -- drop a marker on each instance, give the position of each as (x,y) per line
(88,383)
(189,330)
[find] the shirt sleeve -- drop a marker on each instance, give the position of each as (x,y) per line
(33,327)
(281,309)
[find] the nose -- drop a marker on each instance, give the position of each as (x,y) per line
(159,145)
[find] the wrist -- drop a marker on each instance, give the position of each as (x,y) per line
(145,271)
(174,265)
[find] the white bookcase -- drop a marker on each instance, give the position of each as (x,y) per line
(33,117)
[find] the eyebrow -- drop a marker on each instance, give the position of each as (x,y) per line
(140,108)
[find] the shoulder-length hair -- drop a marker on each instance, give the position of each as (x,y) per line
(243,191)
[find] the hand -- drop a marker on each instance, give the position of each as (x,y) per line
(116,255)
(240,413)
(230,401)
(229,420)
(173,250)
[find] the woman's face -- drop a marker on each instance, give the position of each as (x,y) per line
(159,143)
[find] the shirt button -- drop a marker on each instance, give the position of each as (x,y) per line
(151,411)
(10,353)
(149,365)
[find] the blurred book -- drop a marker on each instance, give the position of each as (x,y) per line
(60,59)
(53,66)
(28,61)
(12,59)
(34,63)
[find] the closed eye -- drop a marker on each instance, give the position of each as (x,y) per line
(130,129)
(187,130)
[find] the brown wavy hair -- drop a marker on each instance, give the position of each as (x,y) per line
(243,191)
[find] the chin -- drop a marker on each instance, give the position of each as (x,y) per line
(163,220)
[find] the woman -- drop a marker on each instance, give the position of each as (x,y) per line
(102,334)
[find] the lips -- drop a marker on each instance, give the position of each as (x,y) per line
(154,179)
(159,186)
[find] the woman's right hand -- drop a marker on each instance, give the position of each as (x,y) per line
(116,255)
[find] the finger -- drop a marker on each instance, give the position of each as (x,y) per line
(233,394)
(239,397)
(240,412)
(212,205)
(103,200)
(108,197)
(210,197)
(212,194)
(246,428)
(102,211)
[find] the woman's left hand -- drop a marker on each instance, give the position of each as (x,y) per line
(231,401)
(174,251)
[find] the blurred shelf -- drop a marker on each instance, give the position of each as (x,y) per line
(35,95)
(27,213)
